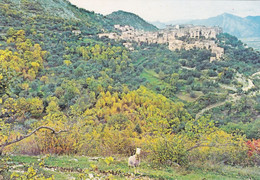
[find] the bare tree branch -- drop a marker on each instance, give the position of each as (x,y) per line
(28,135)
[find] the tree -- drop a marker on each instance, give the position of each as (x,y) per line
(5,138)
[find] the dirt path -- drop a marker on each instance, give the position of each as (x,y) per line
(189,68)
(249,86)
(247,82)
(228,87)
(101,174)
(232,98)
(257,73)
(208,108)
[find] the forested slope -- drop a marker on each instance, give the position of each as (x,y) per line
(127,18)
(110,100)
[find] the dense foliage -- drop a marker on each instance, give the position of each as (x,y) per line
(130,19)
(111,100)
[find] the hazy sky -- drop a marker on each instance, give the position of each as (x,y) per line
(167,10)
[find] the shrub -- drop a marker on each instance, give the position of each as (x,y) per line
(168,150)
(193,95)
(254,150)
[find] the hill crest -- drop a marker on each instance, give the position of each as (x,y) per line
(127,18)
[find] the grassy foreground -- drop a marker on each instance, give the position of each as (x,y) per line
(82,167)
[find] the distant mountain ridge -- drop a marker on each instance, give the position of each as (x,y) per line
(240,27)
(127,18)
(235,25)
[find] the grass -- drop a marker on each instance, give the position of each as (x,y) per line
(69,167)
(186,96)
(153,78)
(140,61)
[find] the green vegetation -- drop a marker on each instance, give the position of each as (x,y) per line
(93,97)
(79,166)
(130,19)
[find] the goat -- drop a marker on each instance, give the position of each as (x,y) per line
(134,160)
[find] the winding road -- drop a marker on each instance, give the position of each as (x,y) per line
(232,98)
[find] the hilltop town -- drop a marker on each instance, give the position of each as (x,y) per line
(176,37)
(77,104)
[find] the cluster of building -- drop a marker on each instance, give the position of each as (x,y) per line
(177,37)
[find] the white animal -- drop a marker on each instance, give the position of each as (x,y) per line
(134,160)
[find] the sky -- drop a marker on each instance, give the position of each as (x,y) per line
(169,10)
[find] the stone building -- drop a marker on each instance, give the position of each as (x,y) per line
(76,32)
(177,37)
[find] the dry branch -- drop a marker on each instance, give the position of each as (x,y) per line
(31,133)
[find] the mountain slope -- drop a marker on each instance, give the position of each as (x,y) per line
(126,18)
(55,9)
(235,25)
(110,99)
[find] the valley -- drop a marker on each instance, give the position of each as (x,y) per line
(253,42)
(80,91)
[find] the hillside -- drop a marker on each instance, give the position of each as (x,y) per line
(127,18)
(62,9)
(87,102)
